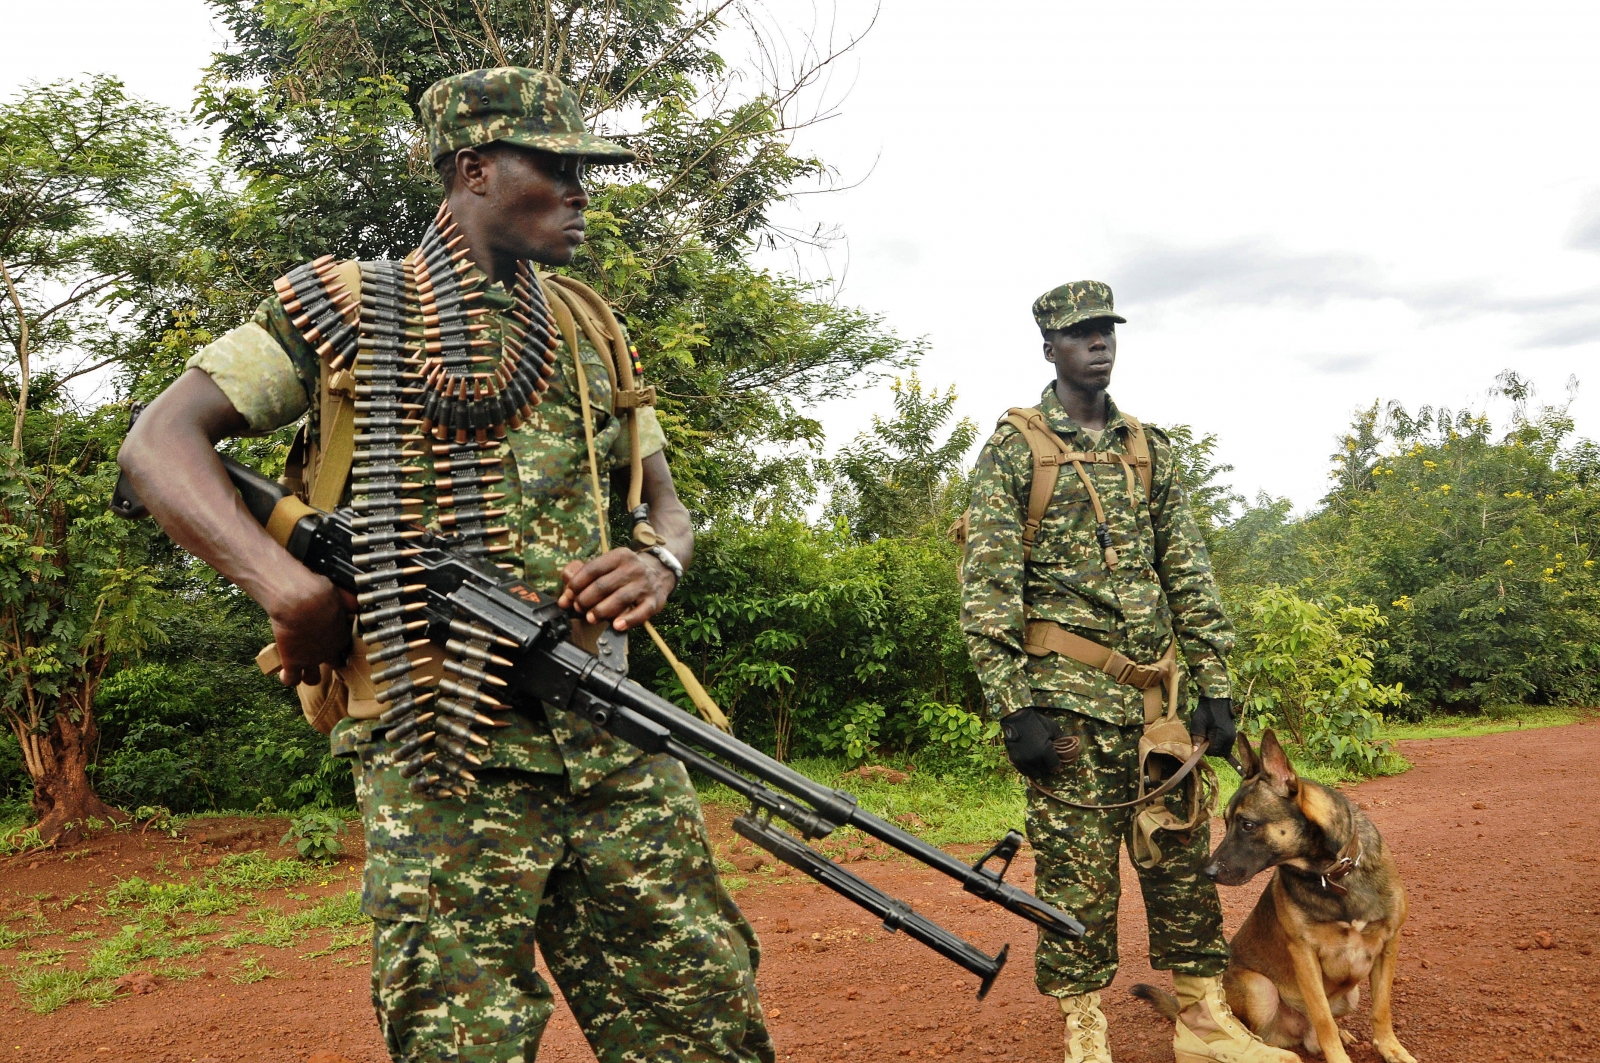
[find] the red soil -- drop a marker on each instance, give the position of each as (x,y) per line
(1495,838)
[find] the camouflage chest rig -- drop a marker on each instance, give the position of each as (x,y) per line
(1168,756)
(405,377)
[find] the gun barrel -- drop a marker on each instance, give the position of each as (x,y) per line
(834,806)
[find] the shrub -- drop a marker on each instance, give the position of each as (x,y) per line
(316,835)
(1307,667)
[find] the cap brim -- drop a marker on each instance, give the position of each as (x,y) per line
(595,149)
(1078,319)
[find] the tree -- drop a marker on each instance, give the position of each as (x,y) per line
(1198,471)
(81,168)
(1479,552)
(898,479)
(75,596)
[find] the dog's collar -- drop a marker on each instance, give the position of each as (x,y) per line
(1347,860)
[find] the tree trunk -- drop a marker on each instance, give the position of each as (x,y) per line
(58,762)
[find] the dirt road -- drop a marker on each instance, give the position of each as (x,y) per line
(1495,837)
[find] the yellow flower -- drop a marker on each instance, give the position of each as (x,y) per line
(1549,572)
(1510,563)
(1445,488)
(1429,464)
(1588,564)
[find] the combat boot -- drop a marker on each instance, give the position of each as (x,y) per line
(1231,1042)
(1086,1029)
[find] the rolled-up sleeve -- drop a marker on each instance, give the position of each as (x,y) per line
(255,373)
(651,439)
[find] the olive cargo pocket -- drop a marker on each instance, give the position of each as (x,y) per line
(396,891)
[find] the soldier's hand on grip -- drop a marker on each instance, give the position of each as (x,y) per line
(1030,742)
(1213,719)
(311,625)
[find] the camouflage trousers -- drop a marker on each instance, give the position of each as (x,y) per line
(1077,870)
(616,887)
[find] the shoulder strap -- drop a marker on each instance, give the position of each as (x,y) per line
(594,315)
(575,306)
(1047,450)
(1139,449)
(336,394)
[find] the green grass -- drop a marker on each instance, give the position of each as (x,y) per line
(252,970)
(1490,721)
(257,871)
(152,937)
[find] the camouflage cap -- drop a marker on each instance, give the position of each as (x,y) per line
(513,104)
(1069,304)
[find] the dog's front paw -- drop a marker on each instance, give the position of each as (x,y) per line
(1392,1050)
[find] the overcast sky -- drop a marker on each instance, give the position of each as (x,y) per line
(1300,207)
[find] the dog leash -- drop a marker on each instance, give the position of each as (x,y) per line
(1155,795)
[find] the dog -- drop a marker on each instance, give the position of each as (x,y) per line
(1330,918)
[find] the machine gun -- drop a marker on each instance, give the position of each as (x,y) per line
(467,594)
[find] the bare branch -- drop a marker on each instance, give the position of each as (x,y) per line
(21,405)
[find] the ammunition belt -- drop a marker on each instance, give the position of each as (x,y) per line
(424,379)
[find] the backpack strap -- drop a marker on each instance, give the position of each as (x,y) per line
(337,396)
(1047,450)
(1139,451)
(1050,453)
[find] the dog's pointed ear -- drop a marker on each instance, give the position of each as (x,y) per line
(1275,765)
(1249,763)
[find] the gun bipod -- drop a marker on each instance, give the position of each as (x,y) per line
(756,826)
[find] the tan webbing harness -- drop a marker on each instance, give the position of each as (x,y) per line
(578,306)
(1168,756)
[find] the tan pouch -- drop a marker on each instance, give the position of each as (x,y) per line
(328,700)
(346,690)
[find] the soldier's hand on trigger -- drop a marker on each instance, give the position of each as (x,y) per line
(1030,738)
(1213,719)
(621,586)
(311,625)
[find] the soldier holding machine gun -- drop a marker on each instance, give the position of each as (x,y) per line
(564,822)
(517,791)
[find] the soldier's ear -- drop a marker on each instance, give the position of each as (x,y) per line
(1276,767)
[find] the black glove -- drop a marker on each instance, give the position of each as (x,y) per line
(1030,736)
(1213,719)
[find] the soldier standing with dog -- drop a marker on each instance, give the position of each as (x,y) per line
(1087,593)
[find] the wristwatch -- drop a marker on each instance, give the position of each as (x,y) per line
(665,556)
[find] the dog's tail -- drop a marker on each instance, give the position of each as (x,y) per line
(1160,999)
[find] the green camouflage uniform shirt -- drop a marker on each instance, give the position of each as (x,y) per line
(1161,586)
(271,375)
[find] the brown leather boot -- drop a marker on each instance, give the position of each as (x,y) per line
(1231,1042)
(1086,1029)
